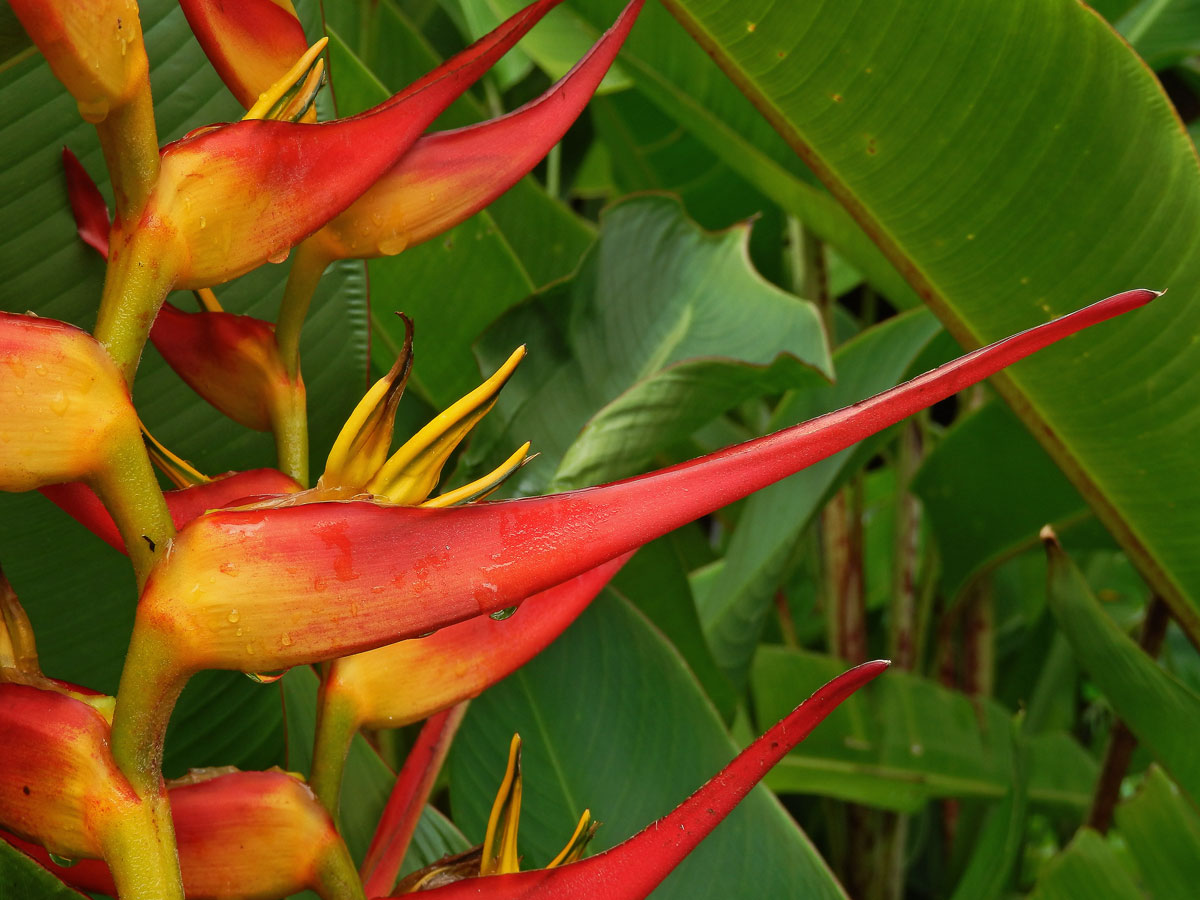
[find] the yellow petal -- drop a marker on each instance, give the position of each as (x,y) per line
(289,98)
(363,444)
(413,471)
(584,832)
(481,487)
(500,842)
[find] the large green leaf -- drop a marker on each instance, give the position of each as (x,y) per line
(79,592)
(1153,703)
(1015,159)
(908,740)
(676,75)
(643,347)
(1162,830)
(612,720)
(21,877)
(734,602)
(1090,867)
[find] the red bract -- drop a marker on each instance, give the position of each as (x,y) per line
(87,204)
(82,504)
(241,836)
(631,870)
(266,588)
(251,43)
(231,361)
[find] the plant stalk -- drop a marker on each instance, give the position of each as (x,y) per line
(1121,741)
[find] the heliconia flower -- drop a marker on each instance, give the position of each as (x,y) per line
(65,415)
(408,681)
(95,49)
(632,869)
(359,462)
(228,198)
(241,835)
(261,589)
(82,504)
(251,43)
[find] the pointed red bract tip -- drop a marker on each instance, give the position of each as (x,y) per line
(634,868)
(449,176)
(87,204)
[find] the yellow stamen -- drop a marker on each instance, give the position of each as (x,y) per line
(18,650)
(180,472)
(362,445)
(413,471)
(481,487)
(295,80)
(584,832)
(208,300)
(500,842)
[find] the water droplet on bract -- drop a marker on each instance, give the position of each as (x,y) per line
(203,223)
(93,111)
(377,218)
(393,245)
(501,614)
(59,404)
(40,369)
(279,256)
(233,616)
(264,677)
(65,861)
(285,639)
(20,390)
(239,632)
(228,568)
(249,649)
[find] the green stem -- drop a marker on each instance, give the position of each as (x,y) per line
(335,877)
(150,686)
(129,140)
(141,272)
(139,847)
(129,491)
(289,422)
(337,723)
(308,265)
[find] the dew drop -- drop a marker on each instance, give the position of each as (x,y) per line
(203,223)
(64,861)
(393,245)
(20,390)
(249,649)
(228,568)
(59,404)
(234,615)
(93,111)
(279,256)
(285,639)
(40,369)
(501,614)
